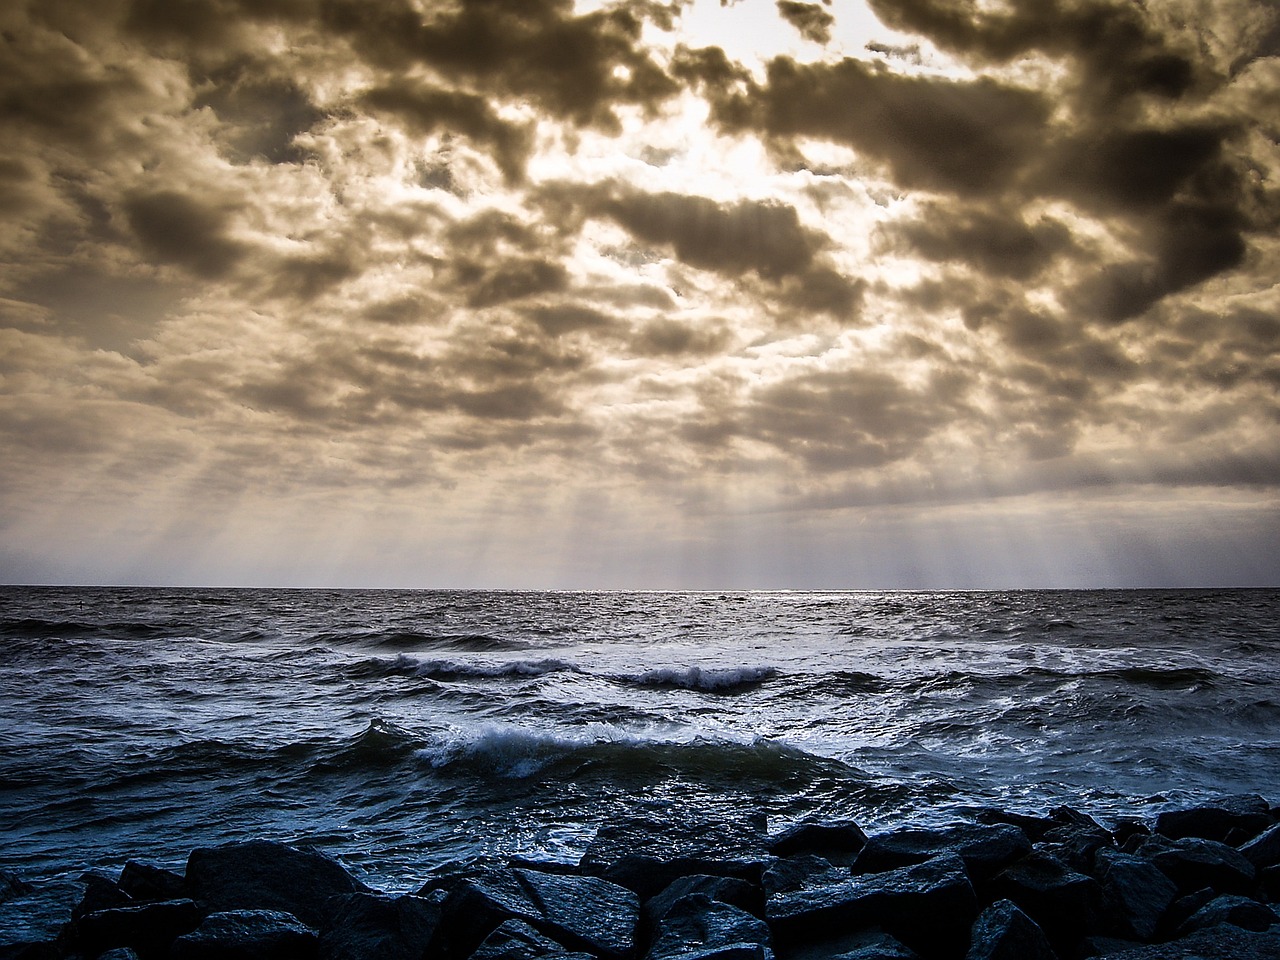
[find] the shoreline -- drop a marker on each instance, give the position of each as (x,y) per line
(1200,880)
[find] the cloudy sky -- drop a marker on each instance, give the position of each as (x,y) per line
(545,293)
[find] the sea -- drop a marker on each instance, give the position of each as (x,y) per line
(410,733)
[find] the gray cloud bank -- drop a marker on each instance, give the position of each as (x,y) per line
(451,275)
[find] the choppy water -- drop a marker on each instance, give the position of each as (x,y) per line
(409,731)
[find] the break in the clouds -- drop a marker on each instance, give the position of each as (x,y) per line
(685,293)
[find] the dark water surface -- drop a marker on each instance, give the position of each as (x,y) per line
(409,731)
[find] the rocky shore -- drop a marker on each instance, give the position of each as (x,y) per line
(1199,882)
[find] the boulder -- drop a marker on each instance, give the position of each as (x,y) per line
(836,842)
(870,944)
(119,953)
(1193,864)
(145,881)
(247,935)
(1003,932)
(738,893)
(783,876)
(1263,850)
(147,928)
(645,856)
(266,875)
(100,893)
(1223,942)
(584,913)
(1244,816)
(1230,908)
(896,901)
(376,925)
(1066,904)
(985,849)
(11,885)
(1136,891)
(1034,827)
(516,940)
(697,927)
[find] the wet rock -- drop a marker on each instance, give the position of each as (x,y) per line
(1066,904)
(1245,815)
(585,913)
(1263,850)
(1269,884)
(1181,909)
(266,875)
(119,953)
(895,901)
(985,849)
(147,928)
(376,925)
(1223,942)
(145,881)
(247,935)
(737,893)
(1077,845)
(516,940)
(1193,864)
(1126,829)
(1034,827)
(793,873)
(1104,946)
(697,927)
(836,842)
(100,893)
(1137,891)
(645,856)
(1003,932)
(11,885)
(1230,908)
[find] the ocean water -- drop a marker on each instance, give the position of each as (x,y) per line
(410,732)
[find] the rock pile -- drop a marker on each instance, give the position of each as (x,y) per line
(1197,882)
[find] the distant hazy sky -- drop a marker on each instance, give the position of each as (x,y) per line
(536,293)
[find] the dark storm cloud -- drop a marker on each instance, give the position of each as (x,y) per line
(179,229)
(1118,49)
(813,22)
(966,137)
(664,337)
(991,241)
(261,115)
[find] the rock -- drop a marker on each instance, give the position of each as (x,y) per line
(869,944)
(585,913)
(266,875)
(697,927)
(837,842)
(985,849)
(1003,932)
(33,921)
(1194,863)
(147,928)
(1247,815)
(1033,827)
(376,925)
(145,881)
(645,856)
(1269,884)
(1263,850)
(1182,909)
(738,893)
(1137,891)
(1066,904)
(119,953)
(100,893)
(1230,908)
(1224,942)
(895,901)
(247,935)
(1104,946)
(793,873)
(516,940)
(1125,829)
(11,885)
(1076,845)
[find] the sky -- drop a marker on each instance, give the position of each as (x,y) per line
(640,294)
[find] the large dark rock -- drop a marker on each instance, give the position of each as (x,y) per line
(1003,932)
(100,893)
(1193,864)
(266,875)
(1230,908)
(1034,827)
(697,927)
(1240,816)
(145,881)
(1136,891)
(647,855)
(148,928)
(1066,904)
(11,885)
(1263,850)
(1224,942)
(584,913)
(870,944)
(516,940)
(376,925)
(738,893)
(985,849)
(897,900)
(783,876)
(836,842)
(247,935)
